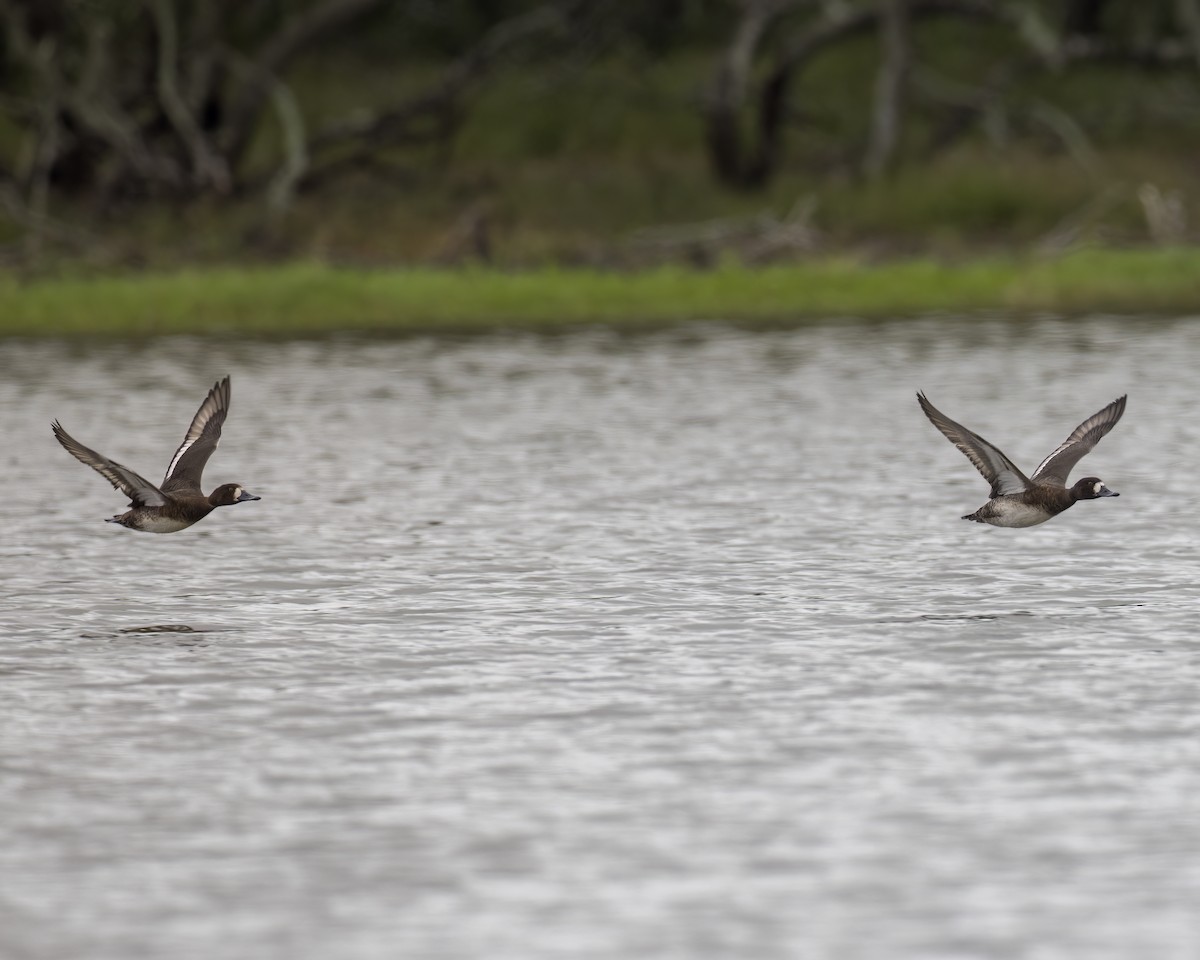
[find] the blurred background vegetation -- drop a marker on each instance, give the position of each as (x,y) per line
(605,133)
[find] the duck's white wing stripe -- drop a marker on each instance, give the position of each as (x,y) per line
(188,442)
(1083,439)
(216,402)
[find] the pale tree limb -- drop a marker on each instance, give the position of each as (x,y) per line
(1072,230)
(998,112)
(207,166)
(750,162)
(282,187)
(730,85)
(732,77)
(756,239)
(1069,132)
(1166,216)
(891,87)
(1035,32)
(297,32)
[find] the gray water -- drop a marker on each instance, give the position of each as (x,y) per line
(604,647)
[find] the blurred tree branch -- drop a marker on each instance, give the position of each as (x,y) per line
(207,166)
(739,165)
(433,114)
(161,99)
(105,104)
(297,32)
(745,121)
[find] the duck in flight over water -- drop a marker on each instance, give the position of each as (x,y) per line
(1021,501)
(178,502)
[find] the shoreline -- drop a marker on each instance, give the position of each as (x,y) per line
(313,299)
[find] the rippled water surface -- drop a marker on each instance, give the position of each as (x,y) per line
(604,647)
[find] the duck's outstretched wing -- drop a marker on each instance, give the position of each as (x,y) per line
(183,475)
(140,491)
(989,460)
(1056,467)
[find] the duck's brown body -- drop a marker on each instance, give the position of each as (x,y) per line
(180,512)
(1018,500)
(178,502)
(1037,504)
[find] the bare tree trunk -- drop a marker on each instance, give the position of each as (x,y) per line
(729,91)
(751,167)
(891,87)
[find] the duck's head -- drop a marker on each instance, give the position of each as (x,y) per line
(230,493)
(1091,488)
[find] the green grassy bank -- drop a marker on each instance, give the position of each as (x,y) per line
(308,299)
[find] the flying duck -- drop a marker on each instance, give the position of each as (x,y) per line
(178,502)
(1021,501)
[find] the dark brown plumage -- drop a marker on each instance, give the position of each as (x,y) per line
(1018,500)
(178,502)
